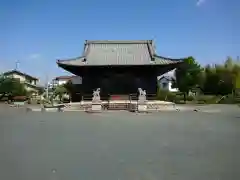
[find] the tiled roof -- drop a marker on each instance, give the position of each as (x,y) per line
(98,53)
(63,77)
(19,73)
(169,78)
(164,60)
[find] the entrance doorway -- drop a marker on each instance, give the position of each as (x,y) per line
(118,84)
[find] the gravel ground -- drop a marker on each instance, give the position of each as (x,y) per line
(120,145)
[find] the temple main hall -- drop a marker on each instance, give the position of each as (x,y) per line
(119,67)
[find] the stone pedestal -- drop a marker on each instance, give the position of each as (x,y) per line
(96,107)
(142,107)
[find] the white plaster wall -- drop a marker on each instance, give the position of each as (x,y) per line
(168,87)
(172,89)
(61,82)
(17,76)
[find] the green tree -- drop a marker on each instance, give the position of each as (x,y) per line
(237,81)
(69,87)
(211,80)
(220,78)
(11,86)
(40,90)
(188,76)
(60,91)
(229,63)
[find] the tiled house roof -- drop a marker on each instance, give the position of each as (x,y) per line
(100,53)
(168,78)
(64,77)
(19,73)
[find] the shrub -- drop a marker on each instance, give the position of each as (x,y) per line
(162,94)
(189,98)
(207,99)
(167,96)
(172,96)
(20,98)
(229,99)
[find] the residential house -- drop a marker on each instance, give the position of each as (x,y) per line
(166,83)
(29,81)
(60,80)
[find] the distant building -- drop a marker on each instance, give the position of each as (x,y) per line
(166,82)
(60,80)
(29,81)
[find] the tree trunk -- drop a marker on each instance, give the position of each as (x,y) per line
(184,97)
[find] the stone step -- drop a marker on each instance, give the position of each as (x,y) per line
(122,105)
(118,106)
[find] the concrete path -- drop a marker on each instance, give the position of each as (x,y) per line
(120,145)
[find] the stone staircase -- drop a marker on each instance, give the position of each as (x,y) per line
(126,105)
(118,102)
(118,106)
(122,102)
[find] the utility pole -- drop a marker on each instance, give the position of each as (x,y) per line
(47,84)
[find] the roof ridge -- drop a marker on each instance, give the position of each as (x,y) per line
(70,59)
(151,50)
(166,58)
(119,52)
(20,72)
(118,41)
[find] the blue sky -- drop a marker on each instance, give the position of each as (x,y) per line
(38,32)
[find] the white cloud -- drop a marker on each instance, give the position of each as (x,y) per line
(34,56)
(200,2)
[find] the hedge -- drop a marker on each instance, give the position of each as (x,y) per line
(179,98)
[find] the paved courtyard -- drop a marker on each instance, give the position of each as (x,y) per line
(119,146)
